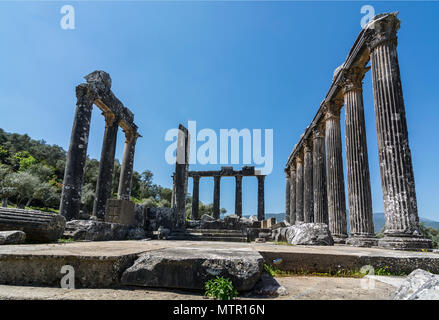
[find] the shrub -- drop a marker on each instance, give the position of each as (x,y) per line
(220,288)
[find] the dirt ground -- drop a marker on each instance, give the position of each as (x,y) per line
(299,288)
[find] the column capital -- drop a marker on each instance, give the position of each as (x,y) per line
(384,28)
(110,118)
(318,131)
(260,177)
(299,157)
(332,109)
(287,172)
(238,177)
(84,95)
(307,146)
(352,79)
(196,178)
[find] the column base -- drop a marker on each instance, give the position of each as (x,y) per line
(405,243)
(362,241)
(339,238)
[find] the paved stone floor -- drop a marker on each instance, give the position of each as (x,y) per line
(299,288)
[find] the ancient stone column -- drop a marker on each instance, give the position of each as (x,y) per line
(181,177)
(308,192)
(335,178)
(126,170)
(319,175)
(287,195)
(299,188)
(293,193)
(261,199)
(195,197)
(216,196)
(397,178)
(238,195)
(359,194)
(106,165)
(77,154)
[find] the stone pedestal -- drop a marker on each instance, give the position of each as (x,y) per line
(195,197)
(359,193)
(238,195)
(77,154)
(106,165)
(216,196)
(299,189)
(308,192)
(335,181)
(120,211)
(261,199)
(319,176)
(400,206)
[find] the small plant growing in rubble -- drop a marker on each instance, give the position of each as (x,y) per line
(220,288)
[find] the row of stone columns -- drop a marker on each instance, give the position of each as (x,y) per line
(77,155)
(217,196)
(324,189)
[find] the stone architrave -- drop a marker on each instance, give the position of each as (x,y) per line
(335,178)
(397,178)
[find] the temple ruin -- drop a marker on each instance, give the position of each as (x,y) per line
(97,91)
(315,187)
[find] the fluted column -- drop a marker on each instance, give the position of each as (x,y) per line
(293,193)
(261,198)
(238,195)
(359,193)
(335,181)
(319,175)
(397,178)
(77,155)
(195,197)
(106,165)
(216,196)
(287,195)
(126,170)
(308,206)
(299,188)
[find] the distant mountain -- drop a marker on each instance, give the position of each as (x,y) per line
(378,220)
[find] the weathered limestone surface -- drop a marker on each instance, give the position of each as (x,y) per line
(238,195)
(12,237)
(299,189)
(38,226)
(77,154)
(261,197)
(305,234)
(293,195)
(101,231)
(308,192)
(181,176)
(357,164)
(126,169)
(190,268)
(160,217)
(106,165)
(419,285)
(396,168)
(335,181)
(319,176)
(287,195)
(120,211)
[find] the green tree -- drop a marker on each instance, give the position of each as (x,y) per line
(25,186)
(6,188)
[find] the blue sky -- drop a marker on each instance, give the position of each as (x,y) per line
(256,65)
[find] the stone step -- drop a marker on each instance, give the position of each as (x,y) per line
(185,236)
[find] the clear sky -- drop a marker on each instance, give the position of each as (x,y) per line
(251,64)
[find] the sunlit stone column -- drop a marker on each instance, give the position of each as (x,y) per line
(106,165)
(77,154)
(397,178)
(238,195)
(293,192)
(299,188)
(261,197)
(335,178)
(319,175)
(359,194)
(195,197)
(126,170)
(308,206)
(216,196)
(287,194)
